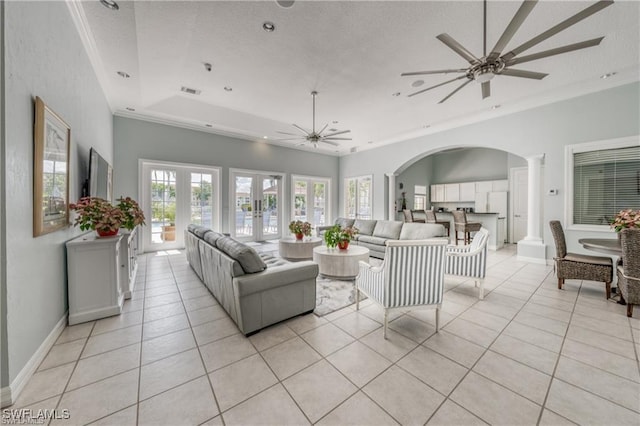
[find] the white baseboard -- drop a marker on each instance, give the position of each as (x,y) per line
(531,260)
(10,393)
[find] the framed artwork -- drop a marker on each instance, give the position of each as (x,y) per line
(52,140)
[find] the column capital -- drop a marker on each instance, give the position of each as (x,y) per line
(534,158)
(391,174)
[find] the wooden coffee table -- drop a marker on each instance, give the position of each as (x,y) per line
(342,264)
(293,249)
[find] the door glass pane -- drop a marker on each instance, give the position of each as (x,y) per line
(364,198)
(243,210)
(300,200)
(270,192)
(163,206)
(350,201)
(319,203)
(202,199)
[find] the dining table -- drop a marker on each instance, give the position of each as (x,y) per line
(610,246)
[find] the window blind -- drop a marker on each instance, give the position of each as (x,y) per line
(605,182)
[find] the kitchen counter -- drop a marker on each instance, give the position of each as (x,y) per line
(491,221)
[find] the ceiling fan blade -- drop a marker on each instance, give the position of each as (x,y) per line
(322,130)
(455,91)
(289,139)
(406,74)
(328,142)
(525,8)
(335,133)
(486,89)
(286,133)
(458,48)
(560,27)
(524,74)
(556,51)
(305,132)
(437,85)
(336,139)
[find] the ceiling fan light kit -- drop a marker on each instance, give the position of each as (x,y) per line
(484,69)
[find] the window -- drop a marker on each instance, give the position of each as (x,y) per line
(311,200)
(419,197)
(358,197)
(602,179)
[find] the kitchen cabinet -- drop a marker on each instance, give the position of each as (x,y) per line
(485,186)
(437,193)
(93,277)
(451,192)
(467,191)
(499,185)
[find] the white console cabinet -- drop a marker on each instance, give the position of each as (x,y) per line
(128,260)
(93,273)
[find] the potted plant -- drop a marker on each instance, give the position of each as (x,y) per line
(628,218)
(169,231)
(300,229)
(103,217)
(340,237)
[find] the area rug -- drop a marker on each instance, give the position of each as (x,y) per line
(331,294)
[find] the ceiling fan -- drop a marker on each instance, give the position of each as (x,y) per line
(314,137)
(482,70)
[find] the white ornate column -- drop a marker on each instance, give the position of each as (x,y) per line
(392,195)
(532,248)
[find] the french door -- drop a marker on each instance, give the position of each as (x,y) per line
(310,201)
(175,195)
(256,205)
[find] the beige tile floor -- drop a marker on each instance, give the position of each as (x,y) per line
(527,354)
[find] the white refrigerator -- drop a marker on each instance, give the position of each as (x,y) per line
(493,202)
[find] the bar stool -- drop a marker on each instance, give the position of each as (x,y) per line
(461,225)
(432,218)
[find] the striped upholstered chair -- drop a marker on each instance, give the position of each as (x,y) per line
(412,274)
(470,261)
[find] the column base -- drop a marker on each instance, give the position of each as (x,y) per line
(533,251)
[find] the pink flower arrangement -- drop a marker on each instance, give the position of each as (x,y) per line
(300,227)
(100,215)
(626,219)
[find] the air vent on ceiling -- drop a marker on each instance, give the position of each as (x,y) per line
(354,149)
(190,91)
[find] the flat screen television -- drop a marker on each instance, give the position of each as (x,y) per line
(100,176)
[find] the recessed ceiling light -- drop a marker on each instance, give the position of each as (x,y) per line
(208,125)
(130,109)
(269,27)
(496,106)
(335,121)
(123,74)
(395,94)
(110,4)
(426,126)
(607,75)
(417,83)
(370,142)
(333,129)
(265,137)
(228,89)
(285,3)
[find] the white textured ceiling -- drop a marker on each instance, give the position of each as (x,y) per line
(351,52)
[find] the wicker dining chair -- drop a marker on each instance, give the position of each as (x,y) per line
(460,224)
(431,218)
(408,216)
(629,268)
(579,266)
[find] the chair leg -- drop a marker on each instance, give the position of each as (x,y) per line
(608,287)
(386,318)
(456,231)
(629,310)
(481,291)
(560,283)
(357,298)
(438,319)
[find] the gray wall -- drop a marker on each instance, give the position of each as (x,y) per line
(44,57)
(418,174)
(470,165)
(136,139)
(608,114)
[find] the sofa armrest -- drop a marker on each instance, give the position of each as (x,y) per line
(275,277)
(320,229)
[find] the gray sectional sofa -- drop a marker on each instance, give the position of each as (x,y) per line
(373,234)
(255,290)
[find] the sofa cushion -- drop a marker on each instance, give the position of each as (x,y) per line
(212,236)
(387,229)
(372,240)
(344,222)
(248,258)
(421,231)
(198,230)
(365,227)
(271,260)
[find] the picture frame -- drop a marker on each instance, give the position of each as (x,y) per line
(52,142)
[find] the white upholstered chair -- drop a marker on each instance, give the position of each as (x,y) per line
(412,274)
(470,260)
